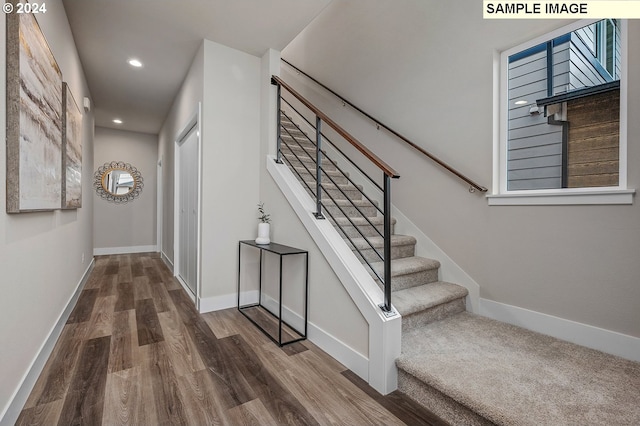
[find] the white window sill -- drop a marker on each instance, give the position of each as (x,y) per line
(583,196)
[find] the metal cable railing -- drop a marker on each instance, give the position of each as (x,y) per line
(387,173)
(337,186)
(376,184)
(328,211)
(347,198)
(353,163)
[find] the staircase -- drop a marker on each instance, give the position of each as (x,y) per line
(465,368)
(415,290)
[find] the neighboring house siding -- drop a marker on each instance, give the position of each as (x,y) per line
(534,158)
(535,147)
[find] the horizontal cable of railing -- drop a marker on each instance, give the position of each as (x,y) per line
(377,185)
(387,172)
(473,185)
(365,217)
(334,218)
(377,161)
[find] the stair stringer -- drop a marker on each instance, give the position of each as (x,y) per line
(384,332)
(450,271)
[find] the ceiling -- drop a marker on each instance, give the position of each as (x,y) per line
(165,35)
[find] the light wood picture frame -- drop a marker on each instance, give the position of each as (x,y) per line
(34,119)
(71,151)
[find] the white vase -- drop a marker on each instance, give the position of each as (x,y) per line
(263,234)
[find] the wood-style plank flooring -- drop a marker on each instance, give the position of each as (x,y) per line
(135,351)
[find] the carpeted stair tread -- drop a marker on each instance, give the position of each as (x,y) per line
(378,242)
(416,299)
(407,265)
(347,203)
(512,376)
(332,173)
(332,186)
(361,221)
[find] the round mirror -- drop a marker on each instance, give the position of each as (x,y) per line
(118,182)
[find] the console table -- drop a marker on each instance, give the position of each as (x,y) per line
(259,314)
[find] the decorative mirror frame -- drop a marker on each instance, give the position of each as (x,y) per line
(138,182)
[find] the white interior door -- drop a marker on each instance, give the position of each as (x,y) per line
(188,210)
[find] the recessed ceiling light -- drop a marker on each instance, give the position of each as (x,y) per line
(521,102)
(117,121)
(135,63)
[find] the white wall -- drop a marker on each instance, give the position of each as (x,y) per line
(126,227)
(184,107)
(227,83)
(326,292)
(41,253)
(230,166)
(426,69)
(238,130)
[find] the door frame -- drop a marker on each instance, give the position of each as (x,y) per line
(194,123)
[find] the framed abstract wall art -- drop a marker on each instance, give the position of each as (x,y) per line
(71,151)
(34,119)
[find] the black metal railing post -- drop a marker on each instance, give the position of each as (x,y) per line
(278,141)
(319,168)
(387,243)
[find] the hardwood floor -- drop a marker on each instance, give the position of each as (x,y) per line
(135,351)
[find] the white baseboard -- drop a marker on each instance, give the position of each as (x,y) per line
(19,398)
(101,251)
(342,352)
(384,332)
(166,261)
(217,303)
(348,357)
(592,337)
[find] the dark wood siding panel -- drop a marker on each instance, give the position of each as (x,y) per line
(593,153)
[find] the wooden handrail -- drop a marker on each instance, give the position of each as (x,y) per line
(386,169)
(474,185)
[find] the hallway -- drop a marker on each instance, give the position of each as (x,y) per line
(135,351)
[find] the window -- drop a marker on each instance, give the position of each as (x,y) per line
(562,117)
(607,48)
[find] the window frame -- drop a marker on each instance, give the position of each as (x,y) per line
(602,47)
(500,195)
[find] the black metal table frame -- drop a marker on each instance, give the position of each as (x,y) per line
(281,251)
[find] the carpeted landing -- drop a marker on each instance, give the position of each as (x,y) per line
(473,370)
